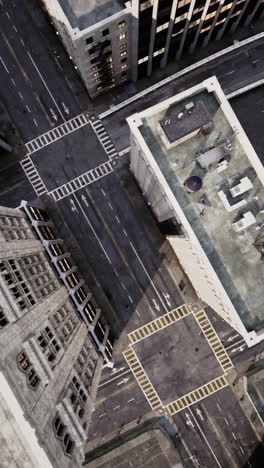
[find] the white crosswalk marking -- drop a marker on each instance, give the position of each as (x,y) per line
(33,176)
(82,181)
(104,138)
(57,133)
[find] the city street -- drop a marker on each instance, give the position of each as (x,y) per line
(104,212)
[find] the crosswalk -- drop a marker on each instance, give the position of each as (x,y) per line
(82,181)
(56,133)
(33,176)
(104,138)
(213,340)
(197,395)
(142,379)
(159,323)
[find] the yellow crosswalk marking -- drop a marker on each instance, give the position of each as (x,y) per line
(152,326)
(213,340)
(153,398)
(172,313)
(156,406)
(203,320)
(198,314)
(148,329)
(190,396)
(159,323)
(169,318)
(209,333)
(140,371)
(186,401)
(164,318)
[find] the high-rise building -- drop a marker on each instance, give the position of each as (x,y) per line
(97,36)
(196,167)
(54,343)
(168,29)
(113,42)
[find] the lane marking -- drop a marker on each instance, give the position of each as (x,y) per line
(4,65)
(7,15)
(20,95)
(116,407)
(103,192)
(110,205)
(241,449)
(88,221)
(226,421)
(35,122)
(151,282)
(123,286)
(33,176)
(234,436)
(118,220)
(116,272)
(28,109)
(130,299)
(101,415)
(15,28)
(15,57)
(114,378)
(124,231)
(22,42)
(46,86)
(205,439)
(13,81)
(132,399)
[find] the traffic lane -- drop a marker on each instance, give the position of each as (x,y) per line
(198,446)
(49,70)
(128,271)
(31,70)
(123,406)
(121,235)
(223,413)
(17,95)
(137,231)
(98,254)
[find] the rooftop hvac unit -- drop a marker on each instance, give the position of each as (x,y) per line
(244,185)
(247,220)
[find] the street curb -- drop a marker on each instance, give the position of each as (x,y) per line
(181,73)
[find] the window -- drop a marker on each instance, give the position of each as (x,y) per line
(105,32)
(122,24)
(94,60)
(124,60)
(91,51)
(123,54)
(122,36)
(181,285)
(3,319)
(96,74)
(109,59)
(99,88)
(95,67)
(89,40)
(123,65)
(123,46)
(25,366)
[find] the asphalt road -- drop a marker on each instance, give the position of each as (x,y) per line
(116,231)
(33,87)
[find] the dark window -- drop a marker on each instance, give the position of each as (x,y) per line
(94,60)
(91,51)
(124,73)
(123,60)
(3,319)
(89,40)
(105,32)
(181,285)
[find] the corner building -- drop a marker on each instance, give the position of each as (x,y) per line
(198,170)
(50,362)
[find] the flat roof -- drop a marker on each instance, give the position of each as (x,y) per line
(85,13)
(217,217)
(178,121)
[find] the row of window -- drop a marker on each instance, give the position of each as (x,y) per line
(61,433)
(105,32)
(26,367)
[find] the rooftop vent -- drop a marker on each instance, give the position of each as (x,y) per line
(193,184)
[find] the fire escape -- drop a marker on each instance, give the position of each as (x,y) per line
(104,63)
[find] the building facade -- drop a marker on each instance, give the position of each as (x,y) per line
(97,36)
(114,42)
(196,167)
(51,360)
(168,29)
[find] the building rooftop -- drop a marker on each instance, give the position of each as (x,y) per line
(211,175)
(85,13)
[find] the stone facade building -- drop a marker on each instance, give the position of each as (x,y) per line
(50,361)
